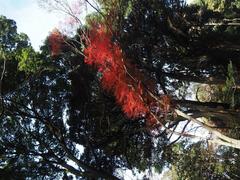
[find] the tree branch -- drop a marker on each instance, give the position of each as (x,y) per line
(228,141)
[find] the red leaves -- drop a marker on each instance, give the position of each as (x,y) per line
(107,57)
(130,100)
(55,40)
(133,105)
(122,78)
(117,77)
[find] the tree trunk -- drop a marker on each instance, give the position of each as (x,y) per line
(201,105)
(221,114)
(187,78)
(220,138)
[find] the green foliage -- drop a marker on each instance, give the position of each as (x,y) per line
(61,105)
(10,40)
(230,83)
(93,18)
(218,5)
(64,101)
(198,161)
(28,61)
(226,93)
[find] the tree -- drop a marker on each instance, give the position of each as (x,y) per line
(106,98)
(194,42)
(188,46)
(44,111)
(200,161)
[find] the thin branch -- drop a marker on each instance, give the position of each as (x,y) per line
(185,126)
(174,132)
(230,141)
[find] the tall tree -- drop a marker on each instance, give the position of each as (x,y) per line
(110,96)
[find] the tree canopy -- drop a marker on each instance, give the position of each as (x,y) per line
(126,91)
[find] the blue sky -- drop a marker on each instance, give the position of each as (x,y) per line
(15,3)
(31,19)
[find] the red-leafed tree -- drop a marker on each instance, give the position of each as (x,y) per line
(107,57)
(55,40)
(111,97)
(123,79)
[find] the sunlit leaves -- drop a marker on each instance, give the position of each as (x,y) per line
(28,60)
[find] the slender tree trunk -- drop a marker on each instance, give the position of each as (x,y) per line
(211,105)
(220,113)
(187,78)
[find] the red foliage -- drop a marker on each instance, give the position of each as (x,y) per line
(166,102)
(55,40)
(107,57)
(151,121)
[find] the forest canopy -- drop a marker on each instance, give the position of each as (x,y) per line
(148,86)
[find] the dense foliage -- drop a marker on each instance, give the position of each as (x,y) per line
(105,99)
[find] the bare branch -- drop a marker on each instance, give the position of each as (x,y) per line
(230,141)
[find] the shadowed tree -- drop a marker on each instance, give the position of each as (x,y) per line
(121,112)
